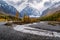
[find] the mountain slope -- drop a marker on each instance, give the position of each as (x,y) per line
(52,17)
(29,11)
(7,17)
(55,7)
(7,8)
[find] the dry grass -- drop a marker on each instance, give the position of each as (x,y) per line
(54,23)
(2,20)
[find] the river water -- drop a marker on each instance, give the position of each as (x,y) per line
(31,30)
(27,29)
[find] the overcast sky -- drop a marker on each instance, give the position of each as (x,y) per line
(38,4)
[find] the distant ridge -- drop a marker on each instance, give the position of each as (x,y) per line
(8,9)
(52,17)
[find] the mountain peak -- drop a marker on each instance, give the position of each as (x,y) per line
(30,11)
(7,8)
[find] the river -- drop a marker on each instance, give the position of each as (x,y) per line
(33,30)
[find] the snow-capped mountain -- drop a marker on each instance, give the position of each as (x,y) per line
(51,9)
(7,8)
(32,7)
(30,11)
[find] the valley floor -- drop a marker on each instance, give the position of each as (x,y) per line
(34,29)
(25,32)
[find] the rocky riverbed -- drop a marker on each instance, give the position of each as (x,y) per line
(47,26)
(8,33)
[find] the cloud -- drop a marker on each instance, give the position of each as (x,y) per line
(34,16)
(47,4)
(18,4)
(38,1)
(14,2)
(38,4)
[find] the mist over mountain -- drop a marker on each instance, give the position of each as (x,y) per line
(52,9)
(30,11)
(8,9)
(30,7)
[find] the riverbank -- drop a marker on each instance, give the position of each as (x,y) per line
(46,26)
(10,34)
(7,33)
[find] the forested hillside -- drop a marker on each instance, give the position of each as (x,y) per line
(51,17)
(6,17)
